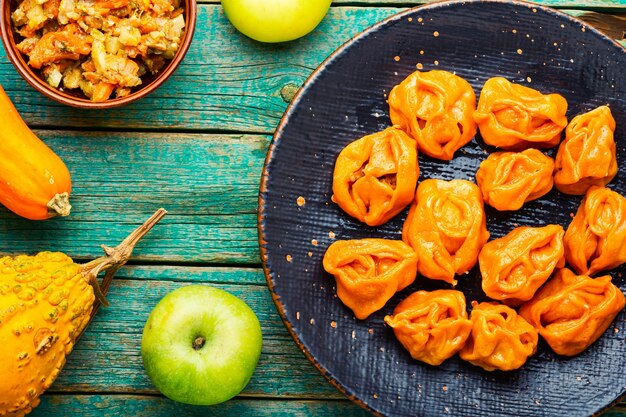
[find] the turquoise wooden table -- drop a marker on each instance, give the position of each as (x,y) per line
(196,147)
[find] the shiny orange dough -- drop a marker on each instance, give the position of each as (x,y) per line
(446,226)
(596,238)
(511,116)
(370,271)
(375,176)
(587,155)
(516,265)
(572,311)
(432,326)
(435,108)
(500,338)
(509,179)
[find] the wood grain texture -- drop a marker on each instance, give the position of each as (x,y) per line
(208,180)
(582,4)
(107,358)
(613,25)
(208,183)
(619,411)
(227,82)
(107,362)
(148,406)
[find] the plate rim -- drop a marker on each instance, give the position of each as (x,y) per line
(276,139)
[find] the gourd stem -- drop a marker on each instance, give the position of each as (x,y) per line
(59,205)
(114,259)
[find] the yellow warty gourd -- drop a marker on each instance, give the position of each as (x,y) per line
(46,301)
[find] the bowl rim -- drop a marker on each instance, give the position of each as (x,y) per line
(32,78)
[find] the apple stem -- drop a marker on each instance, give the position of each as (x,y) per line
(198,343)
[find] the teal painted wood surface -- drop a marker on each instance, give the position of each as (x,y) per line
(581,4)
(107,358)
(220,66)
(208,183)
(195,147)
(145,406)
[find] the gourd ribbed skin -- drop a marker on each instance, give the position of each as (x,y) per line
(45,303)
(31,174)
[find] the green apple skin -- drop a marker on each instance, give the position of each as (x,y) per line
(218,370)
(275,20)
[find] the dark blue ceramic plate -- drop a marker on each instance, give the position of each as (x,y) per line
(345,99)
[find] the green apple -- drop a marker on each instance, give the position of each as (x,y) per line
(275,20)
(201,345)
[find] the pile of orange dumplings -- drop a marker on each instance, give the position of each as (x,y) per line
(445,232)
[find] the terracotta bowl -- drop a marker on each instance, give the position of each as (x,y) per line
(76,98)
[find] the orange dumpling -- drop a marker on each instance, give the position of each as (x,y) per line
(432,326)
(375,176)
(511,116)
(516,265)
(587,155)
(435,108)
(572,311)
(509,179)
(370,271)
(596,238)
(500,338)
(446,226)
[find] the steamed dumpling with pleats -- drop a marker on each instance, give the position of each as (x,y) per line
(515,117)
(375,176)
(370,271)
(431,325)
(435,108)
(446,226)
(572,311)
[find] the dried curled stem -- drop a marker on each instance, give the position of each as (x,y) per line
(114,259)
(59,205)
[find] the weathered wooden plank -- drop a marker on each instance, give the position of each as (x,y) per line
(619,411)
(226,82)
(613,25)
(144,406)
(137,405)
(195,274)
(107,358)
(583,4)
(208,183)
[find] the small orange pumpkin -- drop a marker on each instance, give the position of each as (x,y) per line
(34,181)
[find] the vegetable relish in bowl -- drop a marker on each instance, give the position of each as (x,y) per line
(101,48)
